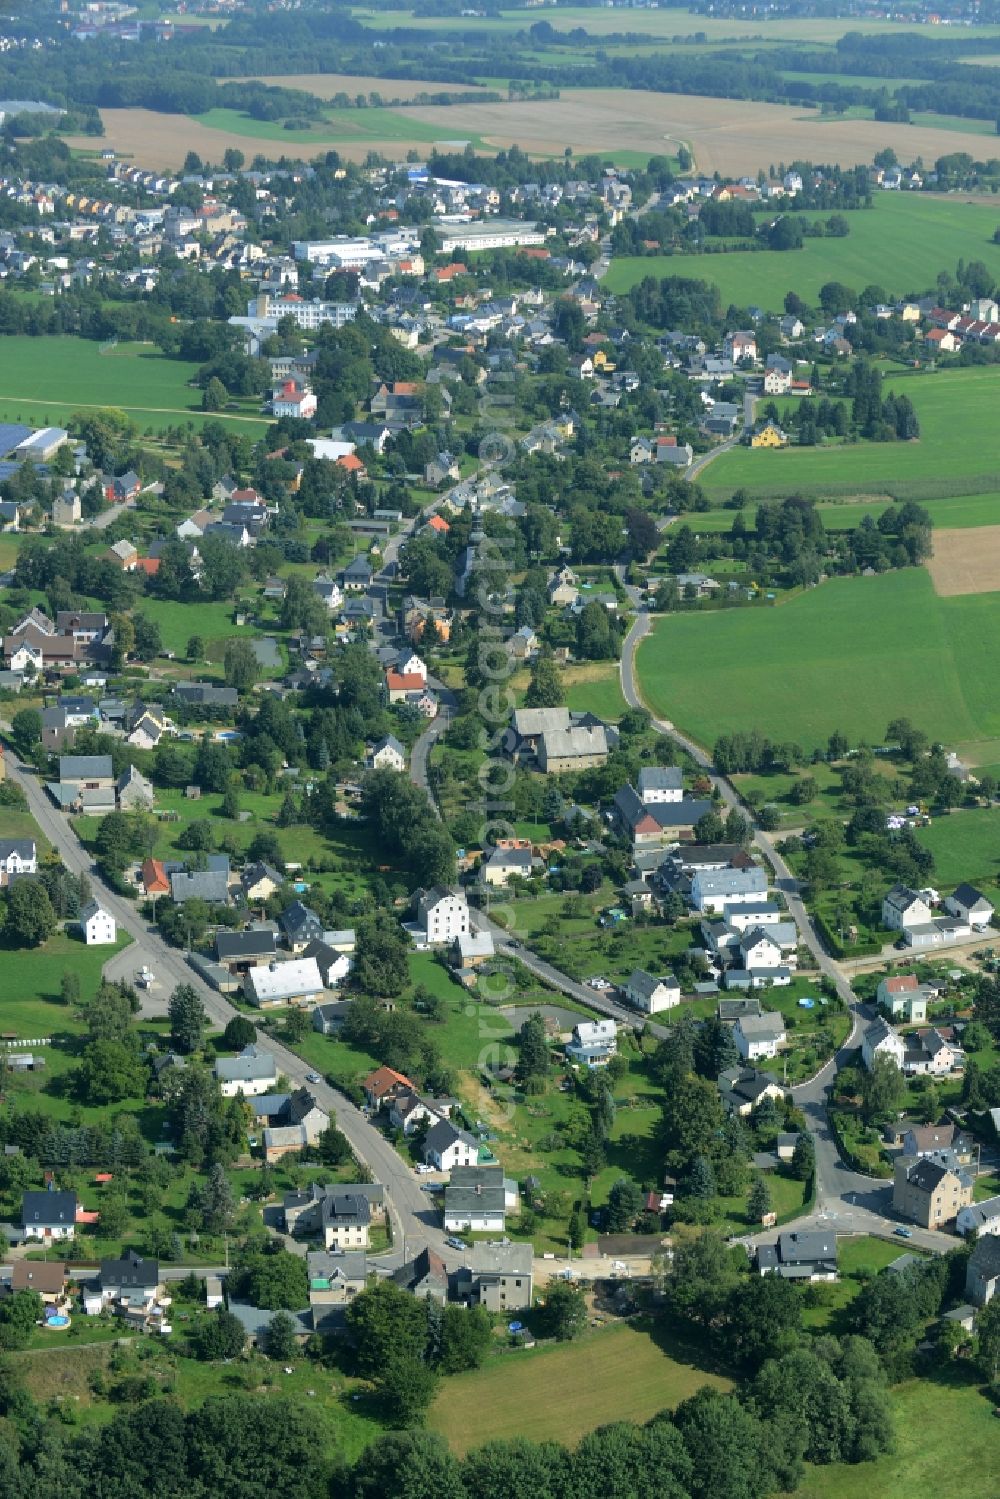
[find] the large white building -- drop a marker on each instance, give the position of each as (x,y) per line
(97,925)
(442,914)
(296,982)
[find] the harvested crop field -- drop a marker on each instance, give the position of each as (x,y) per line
(966,561)
(726,135)
(329,85)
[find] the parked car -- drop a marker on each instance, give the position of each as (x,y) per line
(312,1077)
(454,1243)
(903,1233)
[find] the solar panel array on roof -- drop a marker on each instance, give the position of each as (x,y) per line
(12,434)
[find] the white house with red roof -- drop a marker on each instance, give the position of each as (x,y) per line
(293,399)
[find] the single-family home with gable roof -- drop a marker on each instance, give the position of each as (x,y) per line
(259,881)
(476,1199)
(660,783)
(383,1085)
(651,994)
(594,1043)
(969,904)
(446,1146)
(982,1274)
(903,997)
(48,1215)
(300,926)
(759,1036)
(387,754)
(97,925)
(742,1088)
(903,907)
(980,1218)
(880,1039)
(810,1255)
(252,1072)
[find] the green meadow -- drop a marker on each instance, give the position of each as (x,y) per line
(848,655)
(959,440)
(43,381)
(901,243)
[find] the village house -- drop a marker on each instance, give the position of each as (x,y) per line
(593,1043)
(713,889)
(442,915)
(386,754)
(496,1276)
(384,1085)
(980,1218)
(903,997)
(477,1199)
(650,994)
(879,1039)
(334,1281)
(300,926)
(17,856)
(758,1036)
(742,1088)
(932,1189)
(240,951)
(425,1277)
(97,925)
(982,1274)
(970,905)
(252,1072)
(446,1147)
(800,1256)
(48,1215)
(903,907)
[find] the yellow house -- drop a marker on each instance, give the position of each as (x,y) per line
(769,435)
(602,362)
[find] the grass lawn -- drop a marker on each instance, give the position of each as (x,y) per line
(622,1373)
(32,978)
(957,441)
(848,655)
(944,1426)
(58,376)
(177,623)
(966,846)
(901,243)
(595,688)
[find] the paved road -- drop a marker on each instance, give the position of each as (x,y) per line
(414,1218)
